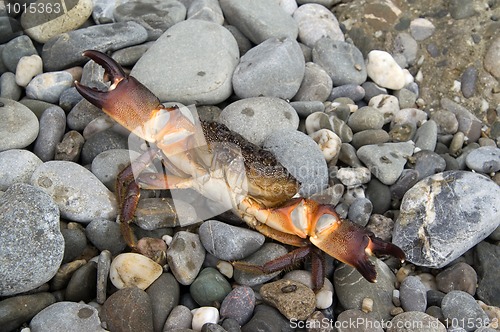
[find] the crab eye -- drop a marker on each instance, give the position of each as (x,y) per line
(325,222)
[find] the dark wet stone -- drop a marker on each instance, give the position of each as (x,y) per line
(82,114)
(352,91)
(164,294)
(238,304)
(372,90)
(69,98)
(461,308)
(468,80)
(209,287)
(15,50)
(460,276)
(17,310)
(100,142)
(426,163)
(83,283)
(407,180)
(434,297)
(179,318)
(360,211)
(488,268)
(105,235)
(52,127)
(75,243)
(380,196)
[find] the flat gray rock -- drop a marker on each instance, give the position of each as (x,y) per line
(17,165)
(32,244)
(18,125)
(205,56)
(445,215)
(67,316)
(485,159)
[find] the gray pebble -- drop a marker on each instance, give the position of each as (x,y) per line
(18,125)
(102,141)
(69,98)
(49,86)
(380,196)
(102,11)
(315,22)
(463,311)
(353,177)
(244,44)
(83,284)
(36,106)
(464,153)
(413,294)
(342,61)
(228,242)
(267,318)
(340,128)
(208,10)
(405,45)
(348,155)
(360,211)
(19,309)
(316,84)
(301,156)
(407,179)
(403,132)
(425,323)
(352,91)
(460,9)
(365,118)
(8,87)
(107,164)
(103,267)
(427,163)
(82,114)
(238,304)
(17,166)
(164,293)
(304,108)
(426,136)
(468,123)
(75,243)
(67,316)
(435,297)
(485,159)
(185,256)
(406,98)
(372,90)
(487,265)
(421,29)
(468,81)
(105,235)
(369,136)
(459,276)
(15,50)
(52,128)
(28,218)
(370,324)
(209,287)
(274,68)
(491,61)
(381,226)
(179,318)
(130,55)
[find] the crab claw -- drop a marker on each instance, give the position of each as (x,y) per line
(127,101)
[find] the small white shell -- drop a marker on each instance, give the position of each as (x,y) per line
(129,269)
(204,315)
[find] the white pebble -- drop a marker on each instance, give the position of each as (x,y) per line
(225,268)
(367,305)
(167,239)
(129,270)
(395,297)
(388,105)
(328,142)
(27,68)
(384,70)
(204,315)
(324,299)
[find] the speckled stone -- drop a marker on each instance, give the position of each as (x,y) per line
(238,304)
(485,159)
(413,294)
(461,308)
(15,311)
(17,166)
(67,316)
(425,322)
(292,298)
(52,127)
(459,276)
(316,84)
(18,125)
(185,256)
(315,22)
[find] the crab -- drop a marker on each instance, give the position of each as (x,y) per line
(225,167)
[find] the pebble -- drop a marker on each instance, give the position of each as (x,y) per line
(342,61)
(207,49)
(413,294)
(352,91)
(202,316)
(67,316)
(315,22)
(102,12)
(105,235)
(16,310)
(353,177)
(256,118)
(468,81)
(384,71)
(83,284)
(133,270)
(17,166)
(273,20)
(365,118)
(372,90)
(487,267)
(365,322)
(244,44)
(157,213)
(179,318)
(65,50)
(351,288)
(468,123)
(69,98)
(328,142)
(439,219)
(408,178)
(460,9)
(81,115)
(42,26)
(103,267)
(293,299)
(130,302)
(15,49)
(79,195)
(185,256)
(406,46)
(425,323)
(427,163)
(208,10)
(102,141)
(107,164)
(369,136)
(8,87)
(274,68)
(228,242)
(28,217)
(52,127)
(238,304)
(360,210)
(462,310)
(267,318)
(49,86)
(266,253)
(491,61)
(155,16)
(302,157)
(485,159)
(421,29)
(130,55)
(209,287)
(164,294)
(386,104)
(18,125)
(406,97)
(460,276)
(386,161)
(75,243)
(304,108)
(379,194)
(70,147)
(426,136)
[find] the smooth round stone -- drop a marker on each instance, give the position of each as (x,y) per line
(366,322)
(67,316)
(79,195)
(274,68)
(462,309)
(209,287)
(407,180)
(406,97)
(133,270)
(273,20)
(425,322)
(164,294)
(52,127)
(69,98)
(386,161)
(352,91)
(70,147)
(379,194)
(369,136)
(228,242)
(18,125)
(468,81)
(179,318)
(292,298)
(49,86)
(491,60)
(102,141)
(460,9)
(315,22)
(342,61)
(460,276)
(83,283)
(267,318)
(15,49)
(17,166)
(36,106)
(185,256)
(488,267)
(28,217)
(206,55)
(204,315)
(105,235)
(302,157)
(266,253)
(316,84)
(427,163)
(351,288)
(365,118)
(155,16)
(305,108)
(353,177)
(360,211)
(130,55)
(65,50)
(75,243)
(8,87)
(446,206)
(348,155)
(328,142)
(103,267)
(102,12)
(405,45)
(485,159)
(426,136)
(107,164)
(41,26)
(384,71)
(257,118)
(372,90)
(468,123)
(386,104)
(402,132)
(421,28)
(132,303)
(413,294)
(244,44)
(17,310)
(82,114)
(238,304)
(208,10)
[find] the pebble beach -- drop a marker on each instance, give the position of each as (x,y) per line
(388,110)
